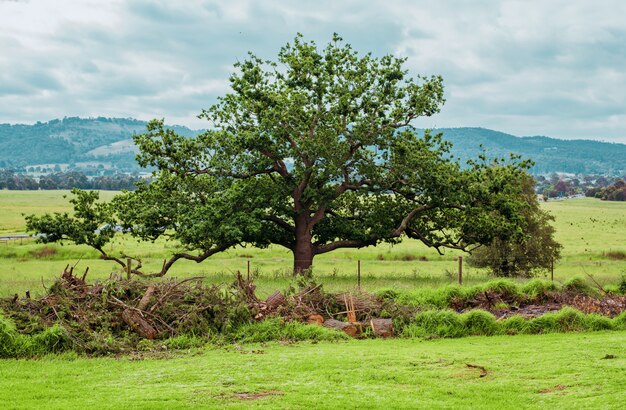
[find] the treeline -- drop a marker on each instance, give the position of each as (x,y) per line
(67,180)
(595,186)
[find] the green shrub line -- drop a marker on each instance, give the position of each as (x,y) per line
(429,324)
(449,324)
(535,290)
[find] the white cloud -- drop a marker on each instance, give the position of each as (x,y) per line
(525,67)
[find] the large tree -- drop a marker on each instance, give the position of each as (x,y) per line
(317,151)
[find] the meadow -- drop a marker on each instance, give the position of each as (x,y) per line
(580,370)
(591,232)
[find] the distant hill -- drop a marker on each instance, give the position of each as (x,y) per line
(73,140)
(106,143)
(549,154)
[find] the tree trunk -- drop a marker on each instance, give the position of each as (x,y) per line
(303,250)
(348,328)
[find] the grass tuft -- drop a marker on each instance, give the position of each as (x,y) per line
(275,329)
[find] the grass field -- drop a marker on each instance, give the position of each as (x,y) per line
(576,370)
(587,228)
(522,372)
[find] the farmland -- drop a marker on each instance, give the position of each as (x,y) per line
(589,229)
(523,371)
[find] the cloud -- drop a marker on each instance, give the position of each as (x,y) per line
(525,67)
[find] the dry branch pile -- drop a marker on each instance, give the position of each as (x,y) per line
(118,314)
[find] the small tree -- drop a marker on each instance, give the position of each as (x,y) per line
(526,254)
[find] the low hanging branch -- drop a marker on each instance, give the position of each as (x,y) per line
(167,263)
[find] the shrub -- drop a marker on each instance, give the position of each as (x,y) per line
(12,344)
(595,322)
(619,321)
(52,340)
(387,294)
(565,320)
(622,285)
(506,289)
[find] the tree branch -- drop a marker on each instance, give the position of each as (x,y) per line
(279,222)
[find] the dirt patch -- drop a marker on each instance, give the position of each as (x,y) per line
(256,395)
(558,387)
(483,371)
(503,305)
(616,255)
(43,252)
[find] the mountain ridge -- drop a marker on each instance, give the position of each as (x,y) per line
(108,142)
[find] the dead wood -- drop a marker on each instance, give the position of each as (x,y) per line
(350,329)
(275,300)
(382,327)
(143,303)
(136,321)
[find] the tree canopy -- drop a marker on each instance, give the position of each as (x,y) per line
(317,151)
(523,255)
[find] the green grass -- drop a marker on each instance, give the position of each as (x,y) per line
(523,372)
(15,203)
(588,229)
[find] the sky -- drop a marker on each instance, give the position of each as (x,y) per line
(555,68)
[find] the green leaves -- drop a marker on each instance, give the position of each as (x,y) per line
(314,151)
(92,222)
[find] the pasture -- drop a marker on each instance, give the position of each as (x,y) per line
(523,371)
(591,231)
(519,372)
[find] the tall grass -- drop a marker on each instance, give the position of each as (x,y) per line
(448,324)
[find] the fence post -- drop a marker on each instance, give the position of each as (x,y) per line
(128,262)
(552,269)
(358,274)
(248,269)
(460,270)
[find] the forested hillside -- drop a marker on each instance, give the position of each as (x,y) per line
(71,140)
(549,154)
(107,142)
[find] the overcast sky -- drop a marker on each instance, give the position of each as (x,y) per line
(555,68)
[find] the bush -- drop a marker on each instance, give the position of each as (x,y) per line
(565,320)
(622,285)
(387,294)
(506,289)
(52,340)
(12,344)
(595,322)
(619,321)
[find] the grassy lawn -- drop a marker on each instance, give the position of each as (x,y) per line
(547,371)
